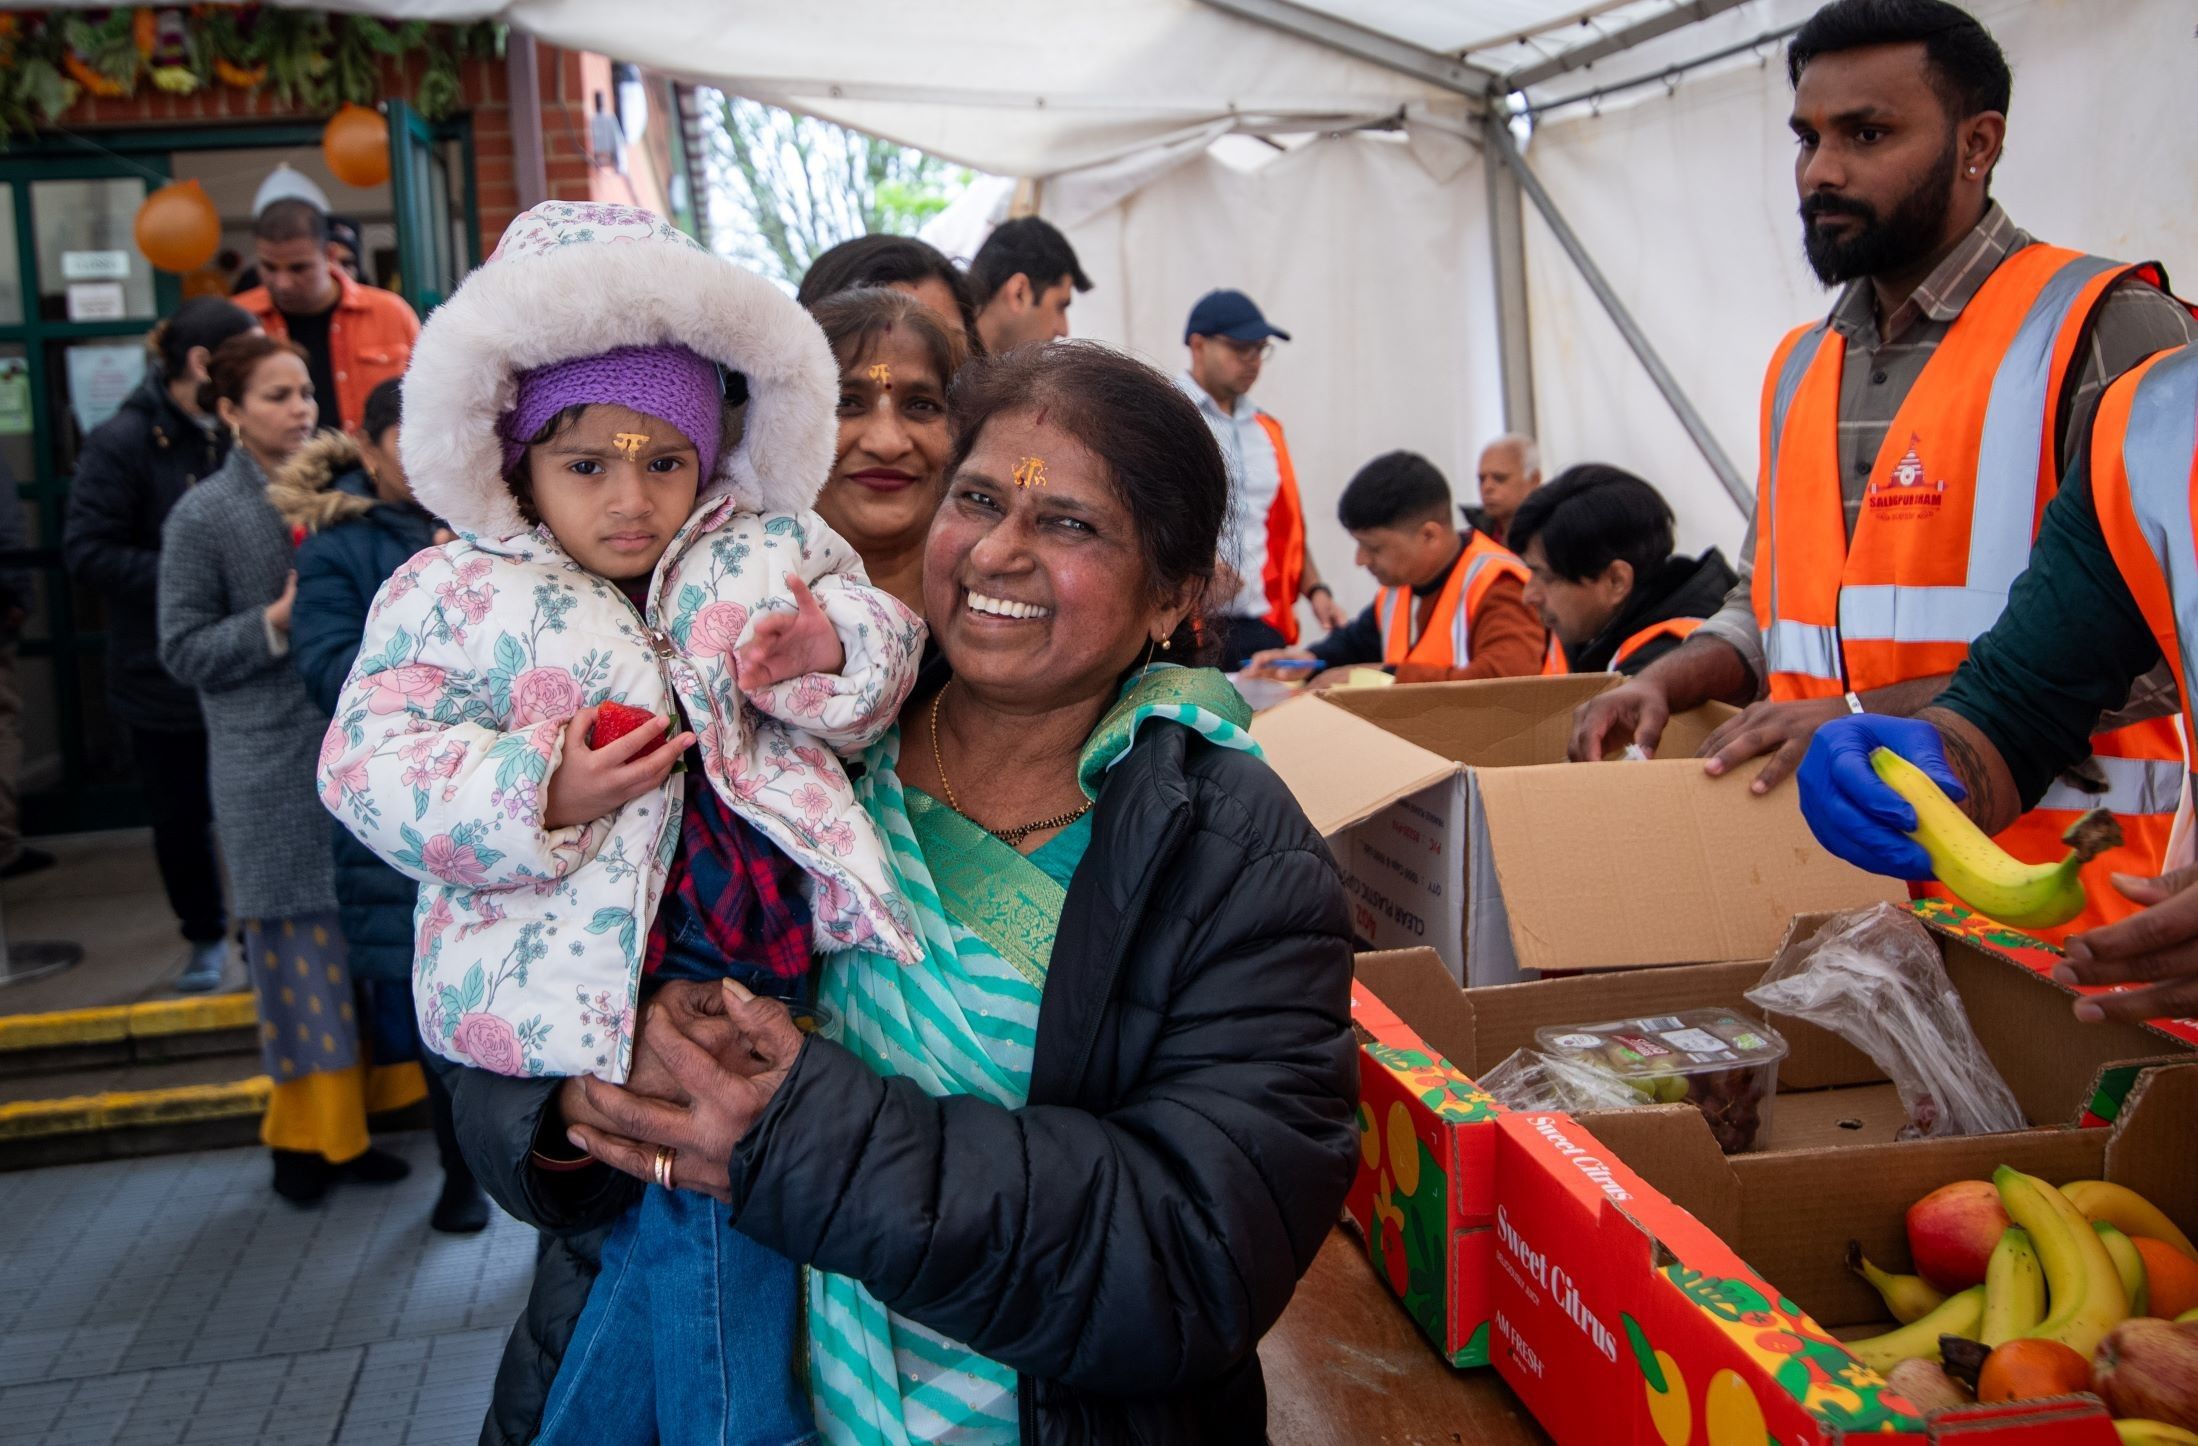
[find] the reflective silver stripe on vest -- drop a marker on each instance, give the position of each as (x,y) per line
(2157,450)
(1461,625)
(2003,497)
(1803,648)
(1884,613)
(1798,362)
(2133,786)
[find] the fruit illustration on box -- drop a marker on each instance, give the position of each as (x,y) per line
(1403,1217)
(1981,873)
(1802,1358)
(1669,1409)
(1731,1414)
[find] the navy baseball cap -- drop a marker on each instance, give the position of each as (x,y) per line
(1230,314)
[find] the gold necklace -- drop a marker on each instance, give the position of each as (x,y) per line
(1012,837)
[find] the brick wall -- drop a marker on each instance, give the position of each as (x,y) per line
(569,80)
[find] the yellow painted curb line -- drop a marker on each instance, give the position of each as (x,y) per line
(154,1018)
(122,1109)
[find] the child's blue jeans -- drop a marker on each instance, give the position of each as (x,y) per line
(689,1338)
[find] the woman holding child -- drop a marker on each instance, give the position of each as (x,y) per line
(1088,1112)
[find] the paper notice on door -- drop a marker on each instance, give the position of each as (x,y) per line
(100,376)
(95,266)
(96,301)
(15,397)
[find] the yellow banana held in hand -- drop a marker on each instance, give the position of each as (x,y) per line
(1982,874)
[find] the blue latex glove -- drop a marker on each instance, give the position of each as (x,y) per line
(1849,808)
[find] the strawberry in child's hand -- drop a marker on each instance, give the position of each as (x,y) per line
(614,721)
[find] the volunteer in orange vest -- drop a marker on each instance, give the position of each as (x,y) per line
(1264,551)
(1452,604)
(1597,544)
(1911,439)
(355,337)
(2112,580)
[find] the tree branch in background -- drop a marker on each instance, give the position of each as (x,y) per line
(785,188)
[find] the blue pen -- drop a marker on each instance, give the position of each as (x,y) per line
(1291,665)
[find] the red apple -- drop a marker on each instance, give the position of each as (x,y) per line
(1952,1230)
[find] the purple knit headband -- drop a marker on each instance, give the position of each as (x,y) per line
(668,382)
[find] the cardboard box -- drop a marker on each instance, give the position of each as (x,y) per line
(1460,827)
(1428,1214)
(1621,1318)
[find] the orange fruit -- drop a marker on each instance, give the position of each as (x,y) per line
(2026,1369)
(2171,1278)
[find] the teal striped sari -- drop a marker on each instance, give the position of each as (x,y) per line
(962,1022)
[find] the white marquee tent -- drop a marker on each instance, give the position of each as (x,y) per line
(1424,309)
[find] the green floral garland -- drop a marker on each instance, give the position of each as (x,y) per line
(50,59)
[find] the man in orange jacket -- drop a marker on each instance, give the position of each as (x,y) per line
(1452,604)
(355,337)
(1913,437)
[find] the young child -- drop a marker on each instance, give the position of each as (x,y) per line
(620,540)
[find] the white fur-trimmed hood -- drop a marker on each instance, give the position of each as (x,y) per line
(573,279)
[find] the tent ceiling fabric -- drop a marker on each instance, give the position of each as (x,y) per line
(1017,91)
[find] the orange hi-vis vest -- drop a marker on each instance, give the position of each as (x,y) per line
(1680,628)
(1947,521)
(1285,568)
(1554,660)
(2144,485)
(1443,643)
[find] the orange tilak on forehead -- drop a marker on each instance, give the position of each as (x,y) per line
(882,374)
(1030,472)
(631,443)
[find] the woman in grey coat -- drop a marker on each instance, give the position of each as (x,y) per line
(226,585)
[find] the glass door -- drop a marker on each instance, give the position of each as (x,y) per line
(430,253)
(74,310)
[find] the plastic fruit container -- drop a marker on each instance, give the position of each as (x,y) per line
(1722,1063)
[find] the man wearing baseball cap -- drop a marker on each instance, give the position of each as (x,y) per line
(1265,548)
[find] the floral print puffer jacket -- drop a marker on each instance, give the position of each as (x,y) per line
(529,940)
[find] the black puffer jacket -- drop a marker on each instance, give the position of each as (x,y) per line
(134,467)
(353,543)
(1126,1238)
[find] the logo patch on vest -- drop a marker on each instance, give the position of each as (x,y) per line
(1907,491)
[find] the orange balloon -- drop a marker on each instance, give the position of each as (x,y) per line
(178,228)
(356,146)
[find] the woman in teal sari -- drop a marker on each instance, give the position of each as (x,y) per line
(1055,1182)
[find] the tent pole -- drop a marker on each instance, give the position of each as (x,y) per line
(1743,496)
(1507,252)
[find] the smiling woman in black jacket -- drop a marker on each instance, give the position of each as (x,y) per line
(1070,1169)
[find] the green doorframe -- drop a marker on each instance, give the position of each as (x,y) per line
(138,154)
(69,648)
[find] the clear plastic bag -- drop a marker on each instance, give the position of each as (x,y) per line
(1531,1080)
(1873,977)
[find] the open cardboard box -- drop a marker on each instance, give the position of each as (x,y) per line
(1459,826)
(1426,1202)
(1622,1318)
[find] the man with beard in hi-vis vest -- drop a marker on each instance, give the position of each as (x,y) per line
(2111,591)
(1912,439)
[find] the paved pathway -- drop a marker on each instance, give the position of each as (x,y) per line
(177,1299)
